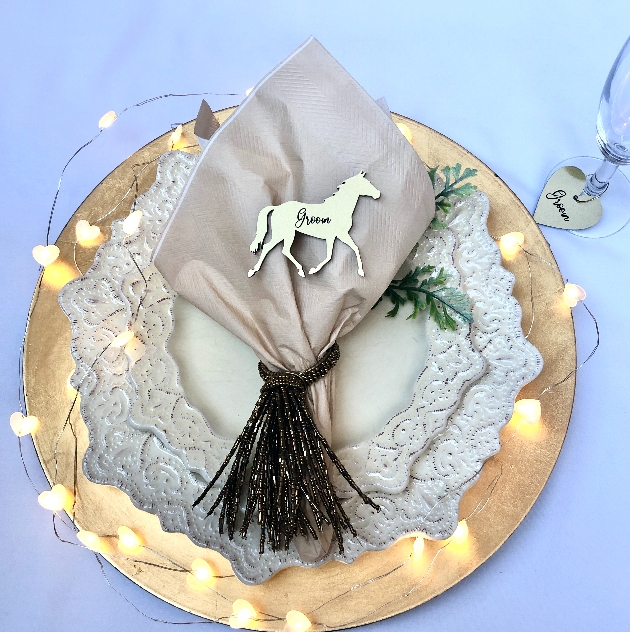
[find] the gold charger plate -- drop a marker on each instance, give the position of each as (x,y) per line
(524,462)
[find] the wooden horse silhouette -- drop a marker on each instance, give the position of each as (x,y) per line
(330,220)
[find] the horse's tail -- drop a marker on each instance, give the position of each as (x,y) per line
(261,229)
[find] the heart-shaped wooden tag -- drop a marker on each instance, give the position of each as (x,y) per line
(558,206)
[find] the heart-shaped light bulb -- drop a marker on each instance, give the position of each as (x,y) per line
(461,533)
(86,232)
(297,621)
(242,613)
(58,498)
(45,255)
(418,546)
(107,119)
(176,139)
(202,574)
(202,570)
(511,243)
(22,425)
(573,294)
(90,541)
(134,349)
(122,339)
(526,411)
(128,541)
(132,222)
(405,131)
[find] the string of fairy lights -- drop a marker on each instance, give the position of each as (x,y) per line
(201,574)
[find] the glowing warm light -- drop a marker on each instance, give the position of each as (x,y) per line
(418,546)
(202,570)
(461,533)
(70,390)
(511,243)
(58,498)
(573,294)
(22,425)
(297,621)
(57,274)
(177,140)
(122,339)
(128,541)
(526,411)
(248,91)
(201,574)
(134,349)
(242,613)
(107,119)
(90,541)
(45,255)
(176,134)
(132,222)
(406,132)
(85,232)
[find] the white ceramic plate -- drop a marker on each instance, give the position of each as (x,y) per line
(417,410)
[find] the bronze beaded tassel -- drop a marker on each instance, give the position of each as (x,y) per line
(289,470)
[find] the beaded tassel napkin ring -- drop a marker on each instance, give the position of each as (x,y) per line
(289,475)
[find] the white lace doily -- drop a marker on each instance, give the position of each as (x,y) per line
(147,440)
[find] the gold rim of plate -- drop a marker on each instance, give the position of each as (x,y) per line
(525,461)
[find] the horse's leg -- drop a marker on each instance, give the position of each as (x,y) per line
(330,242)
(348,240)
(265,251)
(286,251)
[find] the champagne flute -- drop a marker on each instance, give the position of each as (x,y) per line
(613,124)
(613,137)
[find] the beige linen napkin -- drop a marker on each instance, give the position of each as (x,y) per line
(304,129)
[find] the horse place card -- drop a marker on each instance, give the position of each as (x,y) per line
(330,220)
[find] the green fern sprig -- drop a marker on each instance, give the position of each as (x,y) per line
(451,189)
(446,304)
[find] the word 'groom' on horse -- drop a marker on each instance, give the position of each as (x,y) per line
(330,220)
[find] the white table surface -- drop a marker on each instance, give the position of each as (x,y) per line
(517,84)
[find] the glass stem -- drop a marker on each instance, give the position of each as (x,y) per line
(597,183)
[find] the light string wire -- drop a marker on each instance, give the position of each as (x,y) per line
(176,567)
(529,254)
(591,354)
(89,142)
(268,617)
(481,504)
(479,507)
(68,421)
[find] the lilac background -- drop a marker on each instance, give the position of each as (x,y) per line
(517,84)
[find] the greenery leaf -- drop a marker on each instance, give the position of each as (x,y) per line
(453,176)
(436,223)
(446,304)
(443,205)
(432,173)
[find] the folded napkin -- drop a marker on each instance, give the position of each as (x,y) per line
(304,130)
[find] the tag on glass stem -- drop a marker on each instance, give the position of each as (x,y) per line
(558,206)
